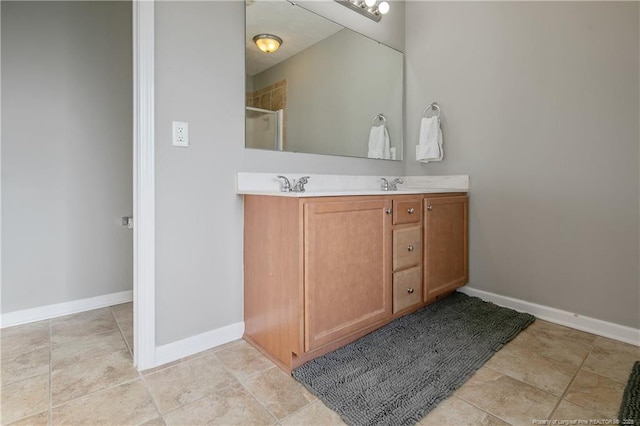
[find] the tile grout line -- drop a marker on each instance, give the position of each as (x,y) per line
(126,343)
(140,375)
(49,391)
(506,375)
(250,376)
(93,358)
(188,403)
(302,408)
(102,333)
(195,400)
(95,392)
(153,398)
(277,421)
(170,364)
(89,359)
(215,354)
(553,412)
(472,404)
(177,363)
(453,394)
(242,382)
(623,383)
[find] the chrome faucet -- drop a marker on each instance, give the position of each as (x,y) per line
(385,184)
(286,185)
(298,185)
(391,186)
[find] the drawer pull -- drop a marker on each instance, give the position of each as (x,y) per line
(410,248)
(388,211)
(411,210)
(410,290)
(429,207)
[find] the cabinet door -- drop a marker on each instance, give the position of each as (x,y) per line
(445,245)
(347,260)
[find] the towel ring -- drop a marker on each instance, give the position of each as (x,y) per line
(433,107)
(378,117)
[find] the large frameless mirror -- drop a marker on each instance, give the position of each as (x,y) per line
(325,89)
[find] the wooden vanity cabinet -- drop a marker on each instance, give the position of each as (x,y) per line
(320,272)
(445,245)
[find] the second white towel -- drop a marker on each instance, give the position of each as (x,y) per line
(429,146)
(379,143)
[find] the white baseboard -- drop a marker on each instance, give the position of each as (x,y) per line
(66,308)
(558,316)
(201,342)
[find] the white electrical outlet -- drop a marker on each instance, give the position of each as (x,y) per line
(180,133)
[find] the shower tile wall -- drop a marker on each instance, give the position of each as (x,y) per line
(272,98)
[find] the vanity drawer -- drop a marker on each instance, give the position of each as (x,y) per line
(407,211)
(407,288)
(407,247)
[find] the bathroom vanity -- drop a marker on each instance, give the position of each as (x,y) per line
(321,271)
(325,267)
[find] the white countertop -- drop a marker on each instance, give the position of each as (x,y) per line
(352,193)
(344,185)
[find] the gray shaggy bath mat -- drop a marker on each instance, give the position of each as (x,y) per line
(397,374)
(630,407)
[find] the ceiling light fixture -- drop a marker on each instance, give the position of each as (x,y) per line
(268,43)
(372,9)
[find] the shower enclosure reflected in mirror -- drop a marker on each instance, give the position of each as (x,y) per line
(323,90)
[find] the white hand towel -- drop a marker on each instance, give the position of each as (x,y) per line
(429,147)
(379,143)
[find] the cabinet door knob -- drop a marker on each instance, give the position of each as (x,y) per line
(410,290)
(429,207)
(410,248)
(388,211)
(411,210)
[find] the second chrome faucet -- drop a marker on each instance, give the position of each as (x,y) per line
(391,185)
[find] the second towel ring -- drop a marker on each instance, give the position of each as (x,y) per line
(378,117)
(433,107)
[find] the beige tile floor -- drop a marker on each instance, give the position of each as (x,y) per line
(78,370)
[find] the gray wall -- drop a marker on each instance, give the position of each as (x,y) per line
(334,89)
(199,216)
(66,151)
(540,104)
